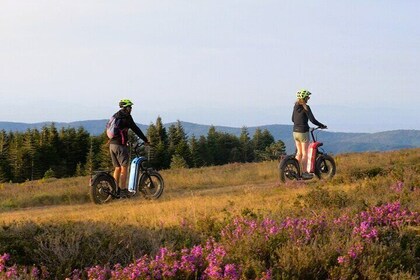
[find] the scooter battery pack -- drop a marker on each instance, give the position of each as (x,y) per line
(134,169)
(310,166)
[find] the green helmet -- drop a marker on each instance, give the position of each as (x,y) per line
(125,103)
(302,94)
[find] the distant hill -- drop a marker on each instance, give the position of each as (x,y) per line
(334,142)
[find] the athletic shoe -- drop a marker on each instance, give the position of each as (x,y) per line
(307,175)
(124,193)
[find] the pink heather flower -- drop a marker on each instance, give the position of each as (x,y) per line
(389,214)
(219,252)
(352,254)
(366,231)
(192,259)
(210,243)
(116,273)
(231,272)
(341,260)
(301,229)
(270,227)
(345,219)
(397,187)
(165,264)
(44,273)
(213,271)
(266,275)
(214,258)
(355,251)
(197,251)
(12,272)
(3,259)
(35,272)
(135,270)
(142,265)
(75,275)
(97,273)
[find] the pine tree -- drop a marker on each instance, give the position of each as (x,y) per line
(5,170)
(178,142)
(80,170)
(246,150)
(178,162)
(28,155)
(228,148)
(90,162)
(49,174)
(257,140)
(15,156)
(203,151)
(212,147)
(48,153)
(275,150)
(261,140)
(266,138)
(196,156)
(158,138)
(81,147)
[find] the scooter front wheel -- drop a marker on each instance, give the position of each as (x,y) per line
(325,167)
(151,185)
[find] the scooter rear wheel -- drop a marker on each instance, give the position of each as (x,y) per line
(289,170)
(101,188)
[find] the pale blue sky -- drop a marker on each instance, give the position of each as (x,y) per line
(233,63)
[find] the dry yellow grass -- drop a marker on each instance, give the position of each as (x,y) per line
(189,193)
(170,210)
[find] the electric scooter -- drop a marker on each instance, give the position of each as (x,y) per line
(319,163)
(143,180)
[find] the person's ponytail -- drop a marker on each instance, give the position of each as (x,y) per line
(303,103)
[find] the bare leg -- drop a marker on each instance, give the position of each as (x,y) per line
(117,173)
(302,154)
(123,177)
(299,153)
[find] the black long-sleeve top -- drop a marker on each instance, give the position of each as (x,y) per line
(126,123)
(300,118)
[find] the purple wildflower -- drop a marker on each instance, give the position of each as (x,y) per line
(266,275)
(397,187)
(191,260)
(341,259)
(12,272)
(35,272)
(355,251)
(231,272)
(3,259)
(98,273)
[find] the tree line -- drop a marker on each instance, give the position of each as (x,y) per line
(49,152)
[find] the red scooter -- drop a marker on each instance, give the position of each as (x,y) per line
(319,163)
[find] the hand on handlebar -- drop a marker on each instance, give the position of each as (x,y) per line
(323,127)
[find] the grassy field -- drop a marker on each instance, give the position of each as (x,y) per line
(50,225)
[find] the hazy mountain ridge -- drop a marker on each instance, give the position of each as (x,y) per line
(334,142)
